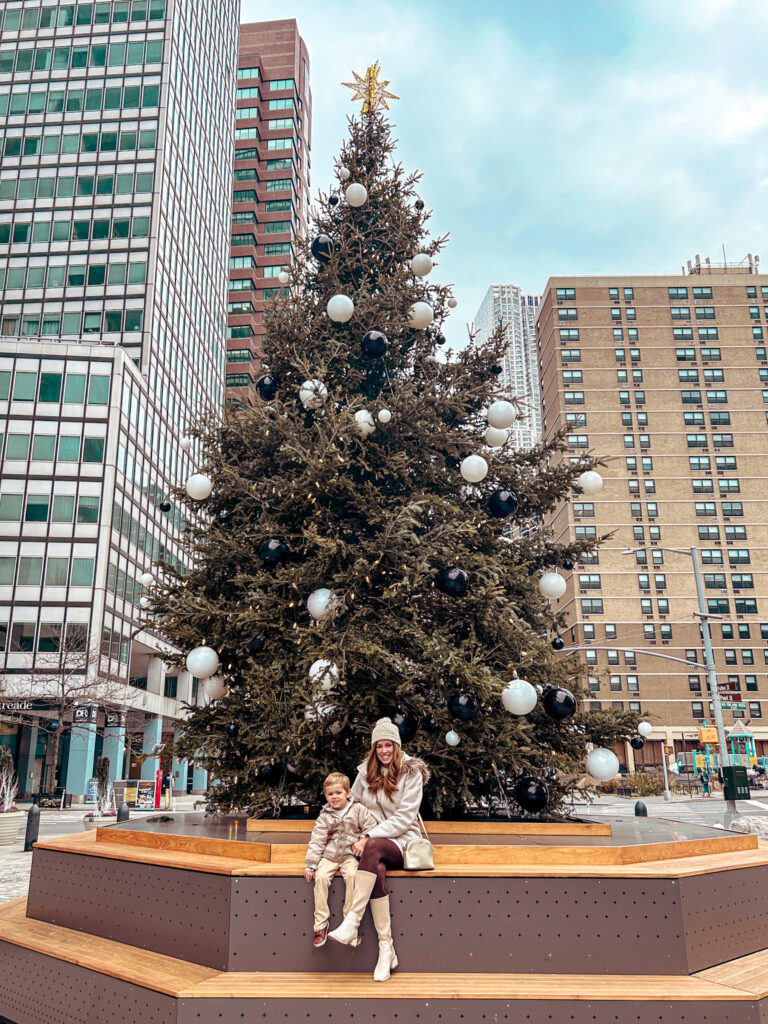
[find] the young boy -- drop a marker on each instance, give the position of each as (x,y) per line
(341,823)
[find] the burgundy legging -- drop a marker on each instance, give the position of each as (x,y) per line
(378,855)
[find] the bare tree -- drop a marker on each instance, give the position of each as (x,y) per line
(66,678)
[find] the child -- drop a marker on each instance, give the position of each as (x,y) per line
(341,823)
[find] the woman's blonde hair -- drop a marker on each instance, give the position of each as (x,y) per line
(378,781)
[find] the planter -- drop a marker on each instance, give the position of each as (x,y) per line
(10,822)
(98,821)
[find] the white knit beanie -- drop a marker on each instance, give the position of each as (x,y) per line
(385,729)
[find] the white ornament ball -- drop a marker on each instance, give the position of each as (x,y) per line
(452,303)
(202,662)
(384,416)
(185,444)
(421,264)
(590,482)
(602,764)
(645,729)
(283,277)
(519,697)
(215,687)
(420,315)
(199,486)
(494,437)
(552,585)
(321,603)
(146,579)
(144,602)
(345,173)
(356,194)
(364,423)
(325,673)
(452,738)
(501,414)
(474,469)
(312,394)
(340,308)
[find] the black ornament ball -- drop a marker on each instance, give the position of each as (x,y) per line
(440,339)
(267,387)
(531,794)
(322,248)
(558,643)
(374,344)
(497,370)
(463,706)
(559,703)
(165,506)
(419,204)
(232,729)
(502,504)
(406,724)
(271,773)
(333,200)
(255,645)
(567,564)
(453,581)
(272,551)
(637,742)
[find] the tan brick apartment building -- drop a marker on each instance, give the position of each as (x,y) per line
(668,378)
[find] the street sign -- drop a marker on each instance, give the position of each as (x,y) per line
(708,734)
(734,705)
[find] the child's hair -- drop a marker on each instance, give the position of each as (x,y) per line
(337,778)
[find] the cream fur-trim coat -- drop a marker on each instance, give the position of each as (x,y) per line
(397,818)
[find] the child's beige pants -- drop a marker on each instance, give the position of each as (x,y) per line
(324,873)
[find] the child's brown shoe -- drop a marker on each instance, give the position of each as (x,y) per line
(320,937)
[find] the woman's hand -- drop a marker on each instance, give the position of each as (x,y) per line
(309,875)
(359,846)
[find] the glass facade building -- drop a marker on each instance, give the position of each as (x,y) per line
(507,305)
(115,193)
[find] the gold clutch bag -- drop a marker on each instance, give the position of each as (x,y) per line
(419,854)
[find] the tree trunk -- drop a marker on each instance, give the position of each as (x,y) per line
(52,760)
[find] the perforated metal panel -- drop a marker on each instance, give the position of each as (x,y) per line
(489,925)
(38,989)
(184,914)
(461,1011)
(725,915)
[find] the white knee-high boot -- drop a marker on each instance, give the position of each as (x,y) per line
(346,933)
(387,961)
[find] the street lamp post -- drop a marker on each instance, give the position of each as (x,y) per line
(709,660)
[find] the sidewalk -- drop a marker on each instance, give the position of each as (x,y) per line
(15,864)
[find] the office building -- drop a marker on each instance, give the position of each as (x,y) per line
(667,378)
(115,187)
(507,305)
(271,189)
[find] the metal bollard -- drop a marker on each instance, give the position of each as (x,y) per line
(33,827)
(123,813)
(641,811)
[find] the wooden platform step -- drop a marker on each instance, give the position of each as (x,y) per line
(740,980)
(216,856)
(444,828)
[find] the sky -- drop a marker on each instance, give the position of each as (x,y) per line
(558,137)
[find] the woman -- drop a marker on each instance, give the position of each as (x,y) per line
(390,784)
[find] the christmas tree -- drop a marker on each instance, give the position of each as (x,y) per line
(359,552)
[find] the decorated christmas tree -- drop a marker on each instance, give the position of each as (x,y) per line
(356,535)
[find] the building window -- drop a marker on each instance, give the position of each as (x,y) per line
(591,606)
(697,709)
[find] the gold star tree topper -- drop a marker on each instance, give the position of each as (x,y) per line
(371,90)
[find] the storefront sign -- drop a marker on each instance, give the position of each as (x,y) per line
(145,794)
(17,705)
(85,714)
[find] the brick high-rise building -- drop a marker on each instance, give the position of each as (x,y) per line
(667,377)
(508,305)
(271,188)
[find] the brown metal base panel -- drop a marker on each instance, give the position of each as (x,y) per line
(725,916)
(39,989)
